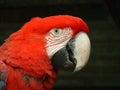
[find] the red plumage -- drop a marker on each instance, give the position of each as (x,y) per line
(27,64)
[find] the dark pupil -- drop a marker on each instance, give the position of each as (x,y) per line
(56,31)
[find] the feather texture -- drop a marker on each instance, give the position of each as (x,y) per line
(24,62)
(3,75)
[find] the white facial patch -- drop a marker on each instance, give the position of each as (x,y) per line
(56,39)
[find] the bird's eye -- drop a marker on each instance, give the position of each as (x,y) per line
(56,31)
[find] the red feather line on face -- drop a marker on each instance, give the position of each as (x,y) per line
(43,25)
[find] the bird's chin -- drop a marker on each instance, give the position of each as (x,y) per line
(74,55)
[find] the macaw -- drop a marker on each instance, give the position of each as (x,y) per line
(30,57)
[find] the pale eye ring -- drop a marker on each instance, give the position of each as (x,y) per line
(56,31)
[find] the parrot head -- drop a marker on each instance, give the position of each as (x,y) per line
(65,39)
(36,51)
(59,41)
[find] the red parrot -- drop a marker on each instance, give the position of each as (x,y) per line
(30,58)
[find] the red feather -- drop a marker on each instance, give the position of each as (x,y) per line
(24,53)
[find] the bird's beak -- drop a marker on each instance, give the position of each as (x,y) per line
(75,54)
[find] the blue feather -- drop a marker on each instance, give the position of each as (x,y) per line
(3,75)
(2,85)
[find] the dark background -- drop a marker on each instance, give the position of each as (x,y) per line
(103,68)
